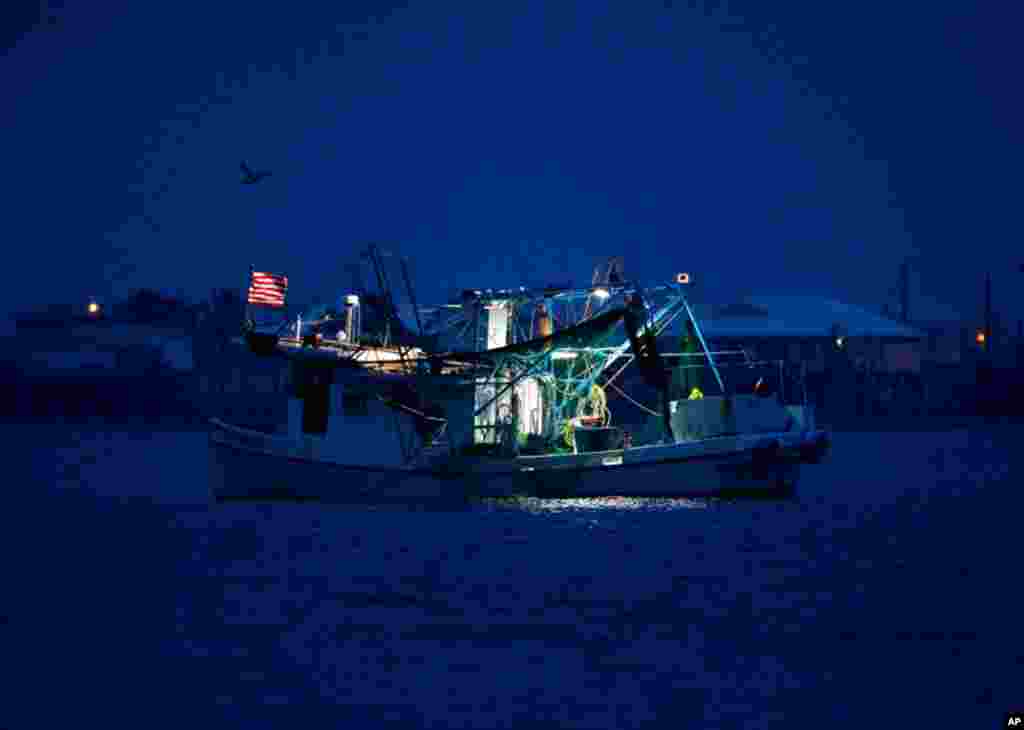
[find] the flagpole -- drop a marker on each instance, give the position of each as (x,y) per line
(252,269)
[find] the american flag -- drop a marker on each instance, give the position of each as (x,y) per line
(267,289)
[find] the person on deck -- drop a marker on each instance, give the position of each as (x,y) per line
(689,367)
(510,427)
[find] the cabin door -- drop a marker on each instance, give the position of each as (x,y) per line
(316,395)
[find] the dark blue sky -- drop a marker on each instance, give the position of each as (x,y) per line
(763,146)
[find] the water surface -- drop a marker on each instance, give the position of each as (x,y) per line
(888,588)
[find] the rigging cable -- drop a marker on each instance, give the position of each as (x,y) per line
(638,405)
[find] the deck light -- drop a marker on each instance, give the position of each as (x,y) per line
(93,307)
(601,293)
(682,278)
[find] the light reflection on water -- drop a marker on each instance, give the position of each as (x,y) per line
(595,504)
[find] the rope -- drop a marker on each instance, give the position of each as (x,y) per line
(402,407)
(638,405)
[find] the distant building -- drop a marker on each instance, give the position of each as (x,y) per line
(855,360)
(92,340)
(146,355)
(807,329)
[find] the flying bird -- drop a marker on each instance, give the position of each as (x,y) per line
(249,177)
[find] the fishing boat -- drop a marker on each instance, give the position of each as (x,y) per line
(384,414)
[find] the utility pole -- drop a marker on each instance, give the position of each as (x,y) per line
(905,292)
(988,310)
(1019,349)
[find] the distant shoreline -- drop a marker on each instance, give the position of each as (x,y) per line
(918,424)
(141,423)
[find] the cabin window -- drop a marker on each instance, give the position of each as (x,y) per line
(355,404)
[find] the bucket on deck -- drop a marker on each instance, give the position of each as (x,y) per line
(597,439)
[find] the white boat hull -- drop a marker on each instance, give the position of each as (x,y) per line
(251,465)
(703,469)
(247,465)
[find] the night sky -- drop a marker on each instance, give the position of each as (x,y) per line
(765,147)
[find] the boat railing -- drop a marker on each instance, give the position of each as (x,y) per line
(744,375)
(786,381)
(740,354)
(722,358)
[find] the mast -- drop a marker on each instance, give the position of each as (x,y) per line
(245,294)
(412,296)
(704,345)
(384,284)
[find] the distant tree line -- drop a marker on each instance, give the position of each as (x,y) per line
(150,305)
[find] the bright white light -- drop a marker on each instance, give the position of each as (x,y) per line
(840,341)
(93,307)
(352,299)
(601,293)
(683,278)
(596,504)
(563,355)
